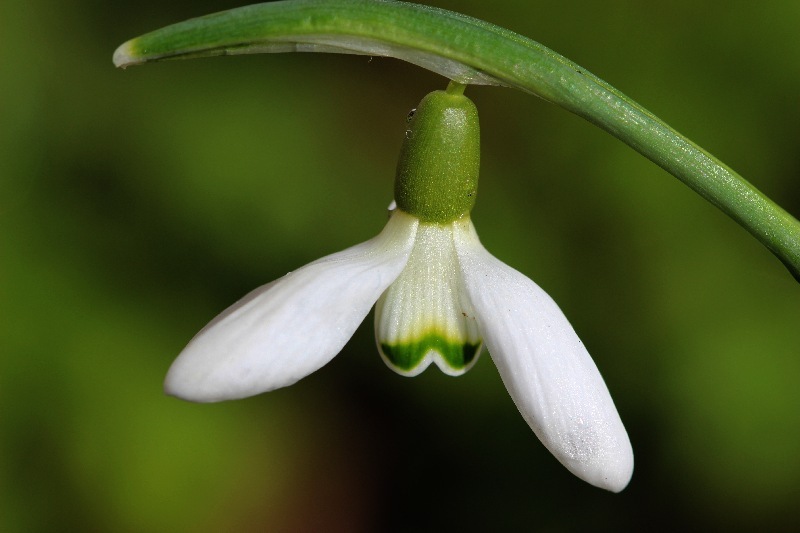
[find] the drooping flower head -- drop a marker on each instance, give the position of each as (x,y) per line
(439,298)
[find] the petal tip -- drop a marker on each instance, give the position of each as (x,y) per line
(617,478)
(177,384)
(611,471)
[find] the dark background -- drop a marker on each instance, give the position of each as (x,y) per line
(135,205)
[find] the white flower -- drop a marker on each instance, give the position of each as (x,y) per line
(439,296)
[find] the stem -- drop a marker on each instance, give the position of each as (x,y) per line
(471,51)
(455,88)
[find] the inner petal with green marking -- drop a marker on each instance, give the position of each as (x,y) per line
(425,316)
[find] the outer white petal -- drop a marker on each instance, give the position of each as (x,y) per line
(546,368)
(285,330)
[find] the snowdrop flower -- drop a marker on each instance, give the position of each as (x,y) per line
(439,297)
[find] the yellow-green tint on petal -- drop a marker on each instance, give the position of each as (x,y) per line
(425,316)
(125,55)
(437,173)
(411,358)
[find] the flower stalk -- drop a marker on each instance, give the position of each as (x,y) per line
(471,51)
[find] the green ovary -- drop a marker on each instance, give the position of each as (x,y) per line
(437,173)
(407,356)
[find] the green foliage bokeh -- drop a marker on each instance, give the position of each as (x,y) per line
(135,205)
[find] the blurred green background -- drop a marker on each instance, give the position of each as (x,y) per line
(135,205)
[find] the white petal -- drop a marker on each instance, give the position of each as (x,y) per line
(285,330)
(546,368)
(425,317)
